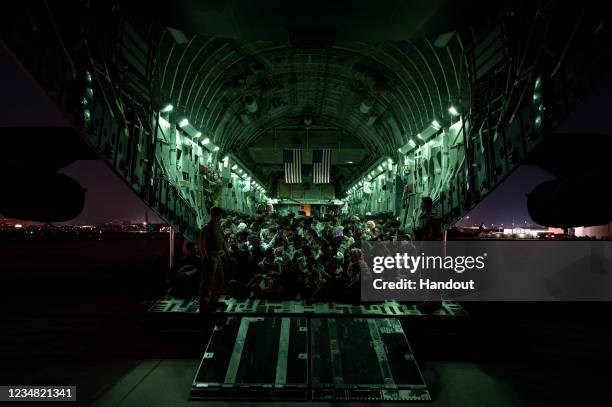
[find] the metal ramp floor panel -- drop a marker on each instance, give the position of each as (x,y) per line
(304,358)
(254,358)
(366,359)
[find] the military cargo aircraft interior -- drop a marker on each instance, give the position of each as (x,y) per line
(279,148)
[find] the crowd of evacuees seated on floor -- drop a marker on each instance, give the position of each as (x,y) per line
(291,257)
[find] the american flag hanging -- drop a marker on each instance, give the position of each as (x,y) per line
(292,158)
(321,160)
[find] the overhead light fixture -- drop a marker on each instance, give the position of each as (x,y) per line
(390,160)
(380,168)
(538,121)
(216,148)
(206,141)
(250,103)
(436,125)
(167,108)
(179,36)
(365,107)
(234,166)
(405,149)
(349,162)
(240,171)
(198,134)
(453,111)
(183,123)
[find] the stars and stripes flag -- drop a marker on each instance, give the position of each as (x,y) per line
(321,160)
(292,158)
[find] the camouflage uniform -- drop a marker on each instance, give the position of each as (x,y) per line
(211,283)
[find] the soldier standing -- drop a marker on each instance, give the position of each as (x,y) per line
(212,247)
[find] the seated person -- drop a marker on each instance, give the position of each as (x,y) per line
(347,240)
(237,269)
(333,289)
(356,267)
(372,232)
(184,277)
(313,273)
(265,282)
(257,252)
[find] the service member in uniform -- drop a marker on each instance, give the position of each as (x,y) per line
(212,247)
(429,229)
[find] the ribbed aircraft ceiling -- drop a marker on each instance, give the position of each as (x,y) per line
(380,72)
(380,93)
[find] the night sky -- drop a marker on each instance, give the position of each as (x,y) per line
(109,199)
